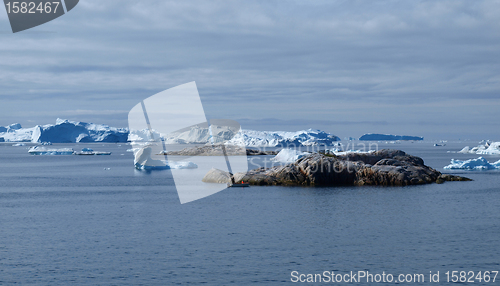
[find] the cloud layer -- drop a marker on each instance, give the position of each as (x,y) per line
(420,67)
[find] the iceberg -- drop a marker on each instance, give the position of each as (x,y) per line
(15,133)
(289,155)
(143,160)
(250,138)
(308,137)
(388,137)
(65,131)
(488,148)
(37,150)
(473,164)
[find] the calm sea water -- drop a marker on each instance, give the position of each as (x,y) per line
(71,220)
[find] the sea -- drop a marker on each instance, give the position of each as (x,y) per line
(96,220)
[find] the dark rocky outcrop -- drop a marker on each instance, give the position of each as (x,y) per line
(384,167)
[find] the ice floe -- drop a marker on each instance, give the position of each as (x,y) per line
(387,137)
(473,164)
(488,148)
(37,150)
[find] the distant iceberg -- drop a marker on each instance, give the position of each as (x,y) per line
(488,148)
(66,131)
(250,138)
(388,137)
(15,133)
(289,155)
(308,137)
(473,164)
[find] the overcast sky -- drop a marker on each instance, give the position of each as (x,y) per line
(427,68)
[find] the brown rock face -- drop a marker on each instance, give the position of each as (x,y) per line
(384,167)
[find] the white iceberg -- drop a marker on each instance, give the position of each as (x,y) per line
(473,164)
(64,131)
(252,138)
(308,137)
(489,148)
(37,150)
(289,155)
(15,133)
(143,160)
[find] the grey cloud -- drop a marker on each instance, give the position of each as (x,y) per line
(372,60)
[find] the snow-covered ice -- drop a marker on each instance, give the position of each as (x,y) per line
(289,155)
(473,164)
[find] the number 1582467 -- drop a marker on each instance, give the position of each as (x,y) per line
(31,7)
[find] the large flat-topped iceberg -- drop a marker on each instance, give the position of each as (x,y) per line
(388,137)
(65,131)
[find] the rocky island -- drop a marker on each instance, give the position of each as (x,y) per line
(384,168)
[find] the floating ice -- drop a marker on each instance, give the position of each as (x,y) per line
(19,144)
(88,151)
(339,152)
(144,160)
(37,150)
(489,148)
(473,164)
(289,155)
(387,137)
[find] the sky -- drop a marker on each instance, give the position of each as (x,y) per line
(423,68)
